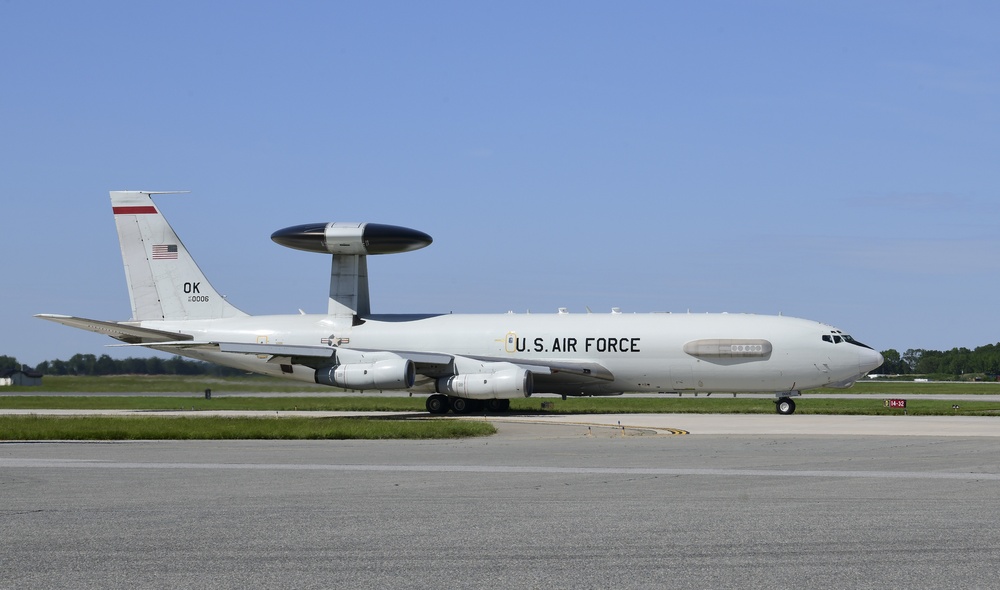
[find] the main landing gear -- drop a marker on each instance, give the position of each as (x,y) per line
(440,404)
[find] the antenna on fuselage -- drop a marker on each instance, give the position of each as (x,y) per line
(350,244)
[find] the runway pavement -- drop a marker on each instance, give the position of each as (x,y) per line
(536,506)
(772,424)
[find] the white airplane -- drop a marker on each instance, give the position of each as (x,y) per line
(466,362)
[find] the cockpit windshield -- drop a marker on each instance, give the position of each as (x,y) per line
(837,337)
(856,343)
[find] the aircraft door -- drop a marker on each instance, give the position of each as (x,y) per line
(510,342)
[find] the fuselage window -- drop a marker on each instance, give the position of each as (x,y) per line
(837,339)
(827,338)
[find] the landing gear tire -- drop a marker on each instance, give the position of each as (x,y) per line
(785,405)
(460,405)
(437,404)
(497,405)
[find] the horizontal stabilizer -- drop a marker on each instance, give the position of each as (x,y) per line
(121,331)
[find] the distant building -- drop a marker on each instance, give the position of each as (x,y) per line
(21,378)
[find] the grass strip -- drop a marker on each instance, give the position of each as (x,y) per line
(211,428)
(273,404)
(196,385)
(169,384)
(905,388)
(553,405)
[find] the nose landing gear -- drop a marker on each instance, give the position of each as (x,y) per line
(783,402)
(784,405)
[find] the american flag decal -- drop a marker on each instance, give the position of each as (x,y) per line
(165,252)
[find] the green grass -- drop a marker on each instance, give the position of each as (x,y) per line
(169,384)
(719,403)
(260,384)
(587,405)
(209,428)
(272,404)
(158,428)
(904,388)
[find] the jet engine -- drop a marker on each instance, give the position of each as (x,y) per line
(505,381)
(387,373)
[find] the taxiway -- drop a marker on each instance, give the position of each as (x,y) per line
(537,505)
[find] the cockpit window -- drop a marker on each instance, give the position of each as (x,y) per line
(856,343)
(836,337)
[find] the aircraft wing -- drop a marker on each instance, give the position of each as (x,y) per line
(118,330)
(430,364)
(287,350)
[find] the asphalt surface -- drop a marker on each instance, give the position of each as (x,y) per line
(536,506)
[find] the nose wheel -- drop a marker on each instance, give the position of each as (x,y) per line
(784,405)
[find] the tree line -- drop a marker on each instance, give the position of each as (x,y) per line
(957,361)
(92,366)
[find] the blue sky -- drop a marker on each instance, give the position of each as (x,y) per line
(833,161)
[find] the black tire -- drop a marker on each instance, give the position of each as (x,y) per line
(437,404)
(785,406)
(497,405)
(460,405)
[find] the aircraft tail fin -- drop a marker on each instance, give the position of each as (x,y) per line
(164,282)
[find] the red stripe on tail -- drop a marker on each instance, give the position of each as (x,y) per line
(145,209)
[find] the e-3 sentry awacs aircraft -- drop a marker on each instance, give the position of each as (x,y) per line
(466,362)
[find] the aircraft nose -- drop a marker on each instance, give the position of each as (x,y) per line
(870,360)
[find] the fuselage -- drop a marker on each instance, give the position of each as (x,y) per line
(649,352)
(463,361)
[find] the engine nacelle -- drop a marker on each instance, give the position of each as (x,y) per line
(510,383)
(395,373)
